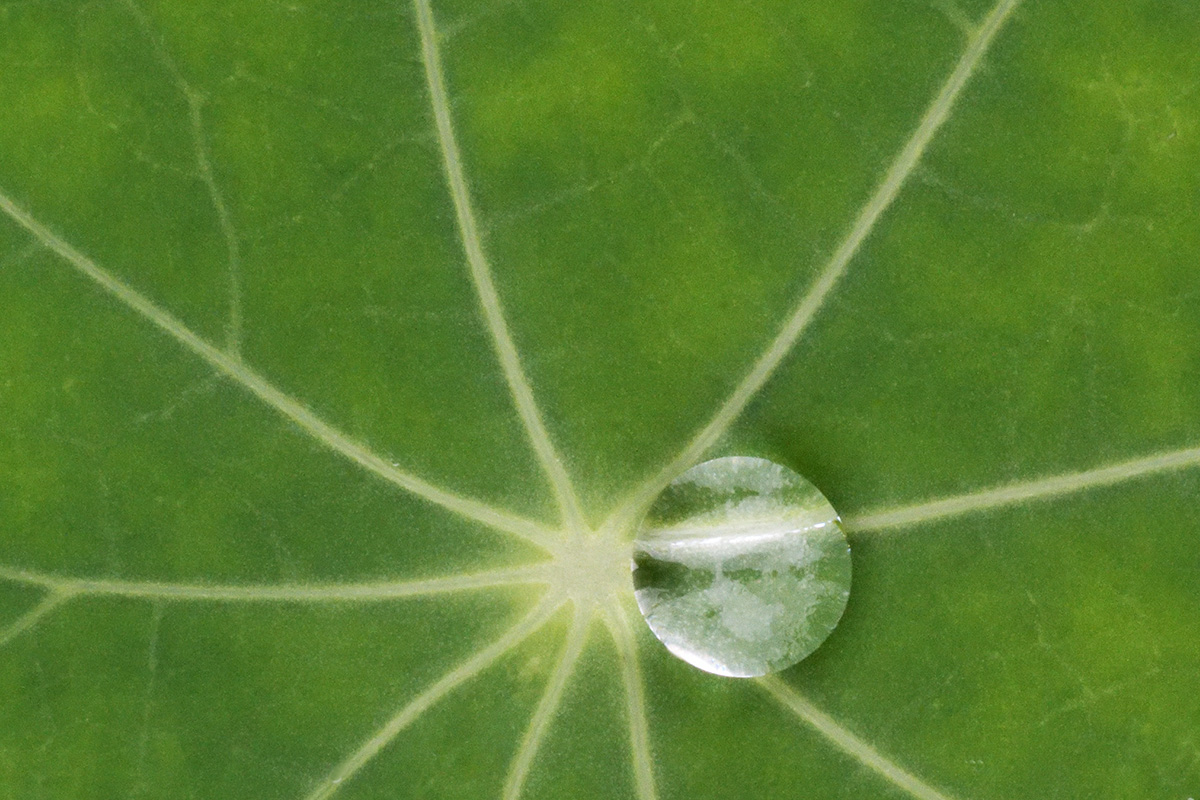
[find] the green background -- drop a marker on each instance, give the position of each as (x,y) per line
(657,184)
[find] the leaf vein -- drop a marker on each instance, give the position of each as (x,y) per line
(846,741)
(481,276)
(635,701)
(811,303)
(1026,491)
(31,618)
(201,152)
(233,368)
(283,593)
(546,709)
(424,701)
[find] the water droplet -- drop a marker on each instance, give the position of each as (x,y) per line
(741,567)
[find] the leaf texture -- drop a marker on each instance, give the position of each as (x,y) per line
(342,349)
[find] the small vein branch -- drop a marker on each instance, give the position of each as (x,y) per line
(481,276)
(233,368)
(55,598)
(233,332)
(809,305)
(142,784)
(200,147)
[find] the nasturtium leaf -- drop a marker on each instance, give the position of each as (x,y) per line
(344,347)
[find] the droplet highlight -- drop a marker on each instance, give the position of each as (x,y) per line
(741,567)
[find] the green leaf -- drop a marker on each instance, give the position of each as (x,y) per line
(342,347)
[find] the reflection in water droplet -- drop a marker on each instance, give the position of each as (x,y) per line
(741,567)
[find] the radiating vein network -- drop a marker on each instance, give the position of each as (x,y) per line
(235,369)
(60,589)
(811,303)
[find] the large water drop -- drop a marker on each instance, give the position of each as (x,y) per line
(741,567)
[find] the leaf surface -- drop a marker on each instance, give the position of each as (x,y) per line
(341,348)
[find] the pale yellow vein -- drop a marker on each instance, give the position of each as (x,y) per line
(810,304)
(371,592)
(547,707)
(846,741)
(233,368)
(481,275)
(635,700)
(456,677)
(201,151)
(141,785)
(1024,492)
